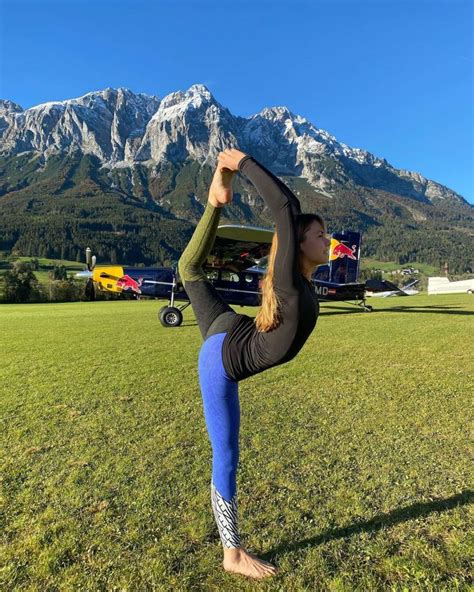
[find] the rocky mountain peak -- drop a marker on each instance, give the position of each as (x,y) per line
(188,124)
(276,114)
(9,107)
(177,103)
(104,123)
(201,89)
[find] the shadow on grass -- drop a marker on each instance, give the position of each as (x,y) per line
(435,309)
(397,516)
(340,310)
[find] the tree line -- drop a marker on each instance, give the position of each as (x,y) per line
(20,285)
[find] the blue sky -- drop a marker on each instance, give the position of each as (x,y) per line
(391,76)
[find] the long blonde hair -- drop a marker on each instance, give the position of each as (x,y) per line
(269,315)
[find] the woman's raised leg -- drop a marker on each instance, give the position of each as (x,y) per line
(205,300)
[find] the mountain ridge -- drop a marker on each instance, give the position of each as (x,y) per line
(115,154)
(123,128)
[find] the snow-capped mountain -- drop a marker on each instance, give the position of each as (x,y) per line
(189,124)
(122,129)
(108,124)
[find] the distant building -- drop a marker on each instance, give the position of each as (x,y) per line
(409,271)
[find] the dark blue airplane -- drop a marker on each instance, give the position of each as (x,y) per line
(236,267)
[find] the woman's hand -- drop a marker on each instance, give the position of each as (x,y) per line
(229,159)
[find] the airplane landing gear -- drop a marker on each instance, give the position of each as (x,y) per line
(364,306)
(170,316)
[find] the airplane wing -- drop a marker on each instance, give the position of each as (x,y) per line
(239,247)
(381,286)
(413,283)
(408,289)
(385,289)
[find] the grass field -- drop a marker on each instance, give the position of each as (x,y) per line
(355,468)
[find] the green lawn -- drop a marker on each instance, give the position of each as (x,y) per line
(355,470)
(44,265)
(43,262)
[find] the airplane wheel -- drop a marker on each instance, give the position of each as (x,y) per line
(170,316)
(470,292)
(368,308)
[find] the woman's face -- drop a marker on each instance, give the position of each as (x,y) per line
(315,245)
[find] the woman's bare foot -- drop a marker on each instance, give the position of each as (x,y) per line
(237,560)
(220,191)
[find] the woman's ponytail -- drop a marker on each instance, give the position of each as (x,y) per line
(269,315)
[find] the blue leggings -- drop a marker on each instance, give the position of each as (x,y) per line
(219,392)
(220,396)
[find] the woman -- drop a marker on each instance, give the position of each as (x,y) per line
(237,346)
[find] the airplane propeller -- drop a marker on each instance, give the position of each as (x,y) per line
(90,262)
(90,259)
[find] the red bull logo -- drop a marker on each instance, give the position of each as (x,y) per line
(340,250)
(129,284)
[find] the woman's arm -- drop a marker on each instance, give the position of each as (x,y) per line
(275,193)
(284,207)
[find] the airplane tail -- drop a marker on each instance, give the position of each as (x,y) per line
(344,259)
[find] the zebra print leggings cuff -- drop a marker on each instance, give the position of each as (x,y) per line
(225,514)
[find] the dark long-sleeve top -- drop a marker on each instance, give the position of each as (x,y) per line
(246,351)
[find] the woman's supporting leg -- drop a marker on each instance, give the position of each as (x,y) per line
(220,397)
(222,412)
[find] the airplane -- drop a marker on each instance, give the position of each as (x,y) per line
(442,285)
(385,289)
(235,267)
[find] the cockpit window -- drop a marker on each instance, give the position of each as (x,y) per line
(228,276)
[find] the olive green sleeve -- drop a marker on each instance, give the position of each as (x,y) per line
(200,245)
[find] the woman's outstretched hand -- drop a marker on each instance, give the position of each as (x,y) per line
(229,159)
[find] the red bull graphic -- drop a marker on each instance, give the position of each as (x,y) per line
(343,264)
(128,284)
(339,250)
